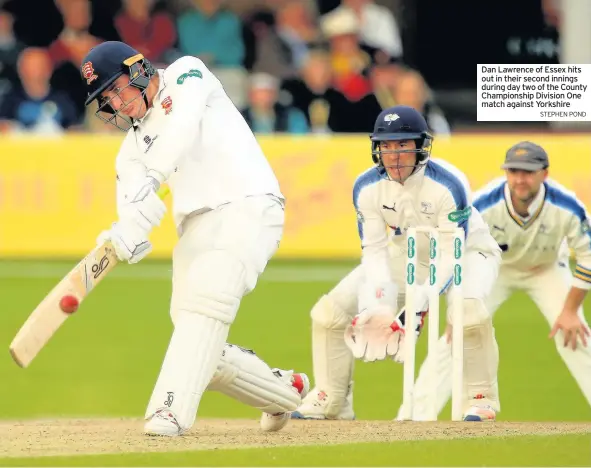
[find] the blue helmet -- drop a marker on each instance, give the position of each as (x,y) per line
(104,64)
(401,123)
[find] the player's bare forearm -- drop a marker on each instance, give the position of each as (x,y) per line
(574,300)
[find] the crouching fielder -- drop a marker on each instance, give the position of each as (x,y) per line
(404,189)
(229,213)
(535,220)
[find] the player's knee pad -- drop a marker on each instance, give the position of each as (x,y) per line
(242,375)
(326,313)
(216,282)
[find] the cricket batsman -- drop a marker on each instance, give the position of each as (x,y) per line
(182,129)
(405,188)
(535,221)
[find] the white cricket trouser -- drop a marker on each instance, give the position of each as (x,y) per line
(548,289)
(216,262)
(248,230)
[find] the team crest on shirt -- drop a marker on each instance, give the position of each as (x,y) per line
(167,105)
(426,208)
(88,72)
(585,226)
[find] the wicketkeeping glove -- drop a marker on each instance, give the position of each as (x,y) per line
(371,335)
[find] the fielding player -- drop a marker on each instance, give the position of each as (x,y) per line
(534,220)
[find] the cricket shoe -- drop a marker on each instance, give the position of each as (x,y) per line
(315,405)
(163,423)
(301,385)
(480,410)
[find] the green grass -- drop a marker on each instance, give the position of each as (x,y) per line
(566,450)
(105,359)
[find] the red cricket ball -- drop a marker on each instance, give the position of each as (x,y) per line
(69,304)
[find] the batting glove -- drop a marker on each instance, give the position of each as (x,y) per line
(129,242)
(146,209)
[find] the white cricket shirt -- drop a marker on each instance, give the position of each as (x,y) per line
(194,139)
(535,242)
(437,195)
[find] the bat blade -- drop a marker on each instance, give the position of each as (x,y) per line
(48,317)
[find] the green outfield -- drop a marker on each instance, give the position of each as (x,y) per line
(104,362)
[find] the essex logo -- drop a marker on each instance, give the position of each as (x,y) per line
(167,105)
(88,72)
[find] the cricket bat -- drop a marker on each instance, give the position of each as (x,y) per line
(63,300)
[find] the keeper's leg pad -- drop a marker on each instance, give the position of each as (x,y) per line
(481,354)
(332,359)
(242,375)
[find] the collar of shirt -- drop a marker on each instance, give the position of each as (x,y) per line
(532,208)
(161,86)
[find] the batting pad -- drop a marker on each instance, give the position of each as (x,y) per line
(191,360)
(242,375)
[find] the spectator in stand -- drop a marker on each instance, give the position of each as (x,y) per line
(265,114)
(378,28)
(327,109)
(211,33)
(153,34)
(214,34)
(551,9)
(35,106)
(10,48)
(350,63)
(70,47)
(384,80)
(350,69)
(265,51)
(311,92)
(74,42)
(412,90)
(296,27)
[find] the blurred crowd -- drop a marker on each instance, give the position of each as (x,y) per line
(293,66)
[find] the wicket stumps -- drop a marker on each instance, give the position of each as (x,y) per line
(433,318)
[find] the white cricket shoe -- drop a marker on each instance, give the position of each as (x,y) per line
(163,423)
(314,406)
(277,421)
(480,409)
